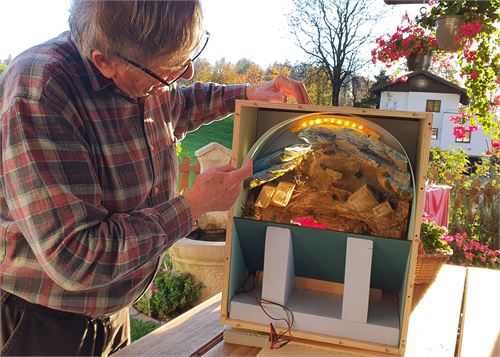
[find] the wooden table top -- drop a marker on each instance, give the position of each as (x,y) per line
(435,324)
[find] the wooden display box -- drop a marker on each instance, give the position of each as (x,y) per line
(320,255)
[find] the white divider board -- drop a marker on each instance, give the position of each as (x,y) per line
(358,268)
(279,271)
(320,313)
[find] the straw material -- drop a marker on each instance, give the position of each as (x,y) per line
(428,265)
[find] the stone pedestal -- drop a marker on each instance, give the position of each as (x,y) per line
(204,260)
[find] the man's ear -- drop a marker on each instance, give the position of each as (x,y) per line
(106,66)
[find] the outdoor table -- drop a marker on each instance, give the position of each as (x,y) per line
(458,314)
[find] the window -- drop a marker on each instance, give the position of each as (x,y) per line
(434,133)
(433,106)
(465,139)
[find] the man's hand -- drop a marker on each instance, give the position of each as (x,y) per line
(278,90)
(217,189)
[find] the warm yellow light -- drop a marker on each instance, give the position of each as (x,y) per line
(311,122)
(304,124)
(325,120)
(339,122)
(318,121)
(346,123)
(332,121)
(353,125)
(360,127)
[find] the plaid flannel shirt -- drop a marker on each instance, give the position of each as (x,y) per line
(88,180)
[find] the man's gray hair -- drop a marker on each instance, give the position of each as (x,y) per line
(142,31)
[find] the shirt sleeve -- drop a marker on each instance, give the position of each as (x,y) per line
(202,103)
(54,195)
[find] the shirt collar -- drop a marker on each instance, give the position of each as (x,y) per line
(97,79)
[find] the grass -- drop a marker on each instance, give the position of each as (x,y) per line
(219,131)
(139,328)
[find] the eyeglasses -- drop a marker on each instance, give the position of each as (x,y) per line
(146,70)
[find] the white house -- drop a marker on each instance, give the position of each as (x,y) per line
(426,92)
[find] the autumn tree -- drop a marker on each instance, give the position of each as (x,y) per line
(332,33)
(277,69)
(371,100)
(225,73)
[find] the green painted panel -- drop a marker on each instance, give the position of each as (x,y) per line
(320,254)
(237,270)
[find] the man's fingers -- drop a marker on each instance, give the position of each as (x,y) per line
(243,172)
(293,89)
(224,168)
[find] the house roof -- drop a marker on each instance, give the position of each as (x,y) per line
(423,81)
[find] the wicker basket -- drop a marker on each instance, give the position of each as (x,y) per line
(428,265)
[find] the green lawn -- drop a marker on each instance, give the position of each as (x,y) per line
(139,328)
(220,131)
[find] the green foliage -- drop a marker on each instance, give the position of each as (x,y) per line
(448,167)
(432,236)
(475,197)
(139,328)
(373,100)
(3,67)
(175,292)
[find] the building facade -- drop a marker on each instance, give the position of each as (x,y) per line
(426,92)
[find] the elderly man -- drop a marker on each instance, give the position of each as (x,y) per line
(90,123)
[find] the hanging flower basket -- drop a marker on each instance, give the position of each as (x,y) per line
(416,62)
(448,32)
(410,42)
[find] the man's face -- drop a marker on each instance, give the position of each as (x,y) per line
(136,83)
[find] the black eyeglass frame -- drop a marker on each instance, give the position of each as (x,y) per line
(159,78)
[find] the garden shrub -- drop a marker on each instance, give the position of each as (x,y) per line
(171,294)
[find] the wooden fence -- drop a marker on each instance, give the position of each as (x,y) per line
(185,170)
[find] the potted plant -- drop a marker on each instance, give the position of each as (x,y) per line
(433,251)
(449,17)
(410,42)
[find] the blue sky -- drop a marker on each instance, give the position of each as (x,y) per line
(255,29)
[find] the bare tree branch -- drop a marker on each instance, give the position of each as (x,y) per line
(332,33)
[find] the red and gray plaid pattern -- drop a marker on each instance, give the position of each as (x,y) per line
(87,199)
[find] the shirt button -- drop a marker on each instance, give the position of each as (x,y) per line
(157,189)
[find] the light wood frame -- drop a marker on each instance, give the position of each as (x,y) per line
(241,145)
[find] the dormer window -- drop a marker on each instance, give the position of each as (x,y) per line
(433,106)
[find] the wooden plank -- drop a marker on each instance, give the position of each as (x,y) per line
(480,328)
(230,349)
(328,342)
(435,316)
(329,287)
(183,335)
(324,108)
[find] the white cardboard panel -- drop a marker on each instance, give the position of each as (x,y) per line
(320,313)
(279,271)
(358,268)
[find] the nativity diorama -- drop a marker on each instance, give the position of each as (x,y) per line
(340,176)
(321,244)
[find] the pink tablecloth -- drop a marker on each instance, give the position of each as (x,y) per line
(437,202)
